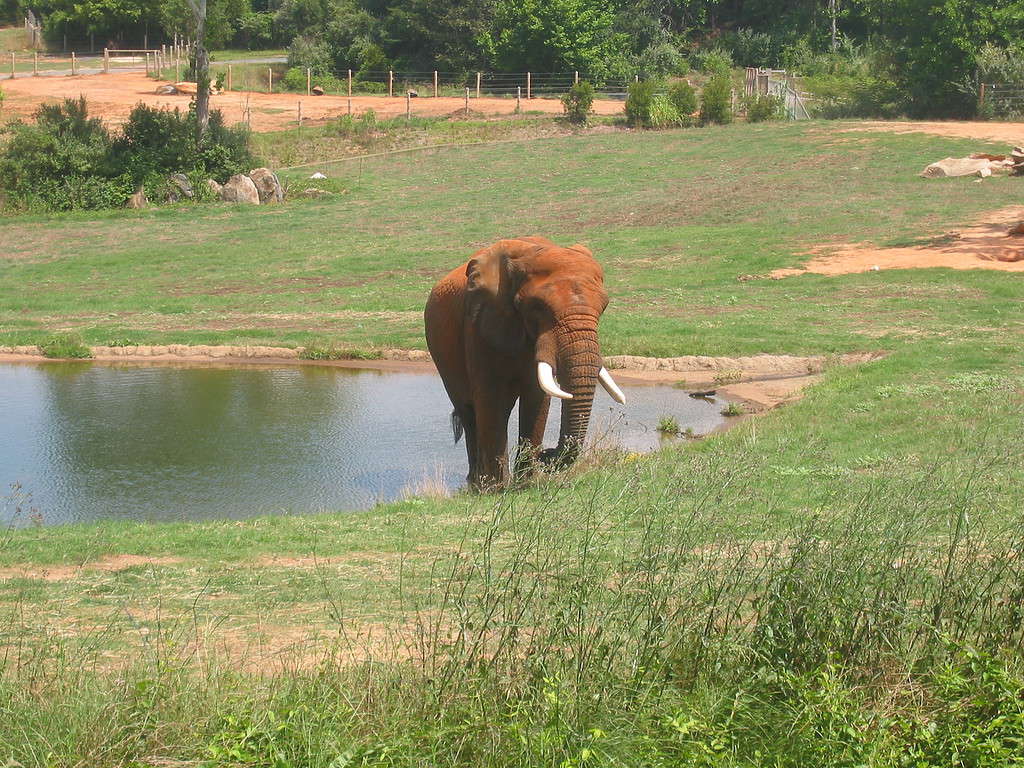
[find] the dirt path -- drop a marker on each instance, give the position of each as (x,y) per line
(986,245)
(1010,133)
(113,96)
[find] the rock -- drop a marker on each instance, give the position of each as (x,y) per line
(214,186)
(179,187)
(413,94)
(318,175)
(314,192)
(316,90)
(240,189)
(267,185)
(138,200)
(166,90)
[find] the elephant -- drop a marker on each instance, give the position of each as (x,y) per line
(518,321)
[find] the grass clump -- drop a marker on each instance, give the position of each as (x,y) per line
(65,346)
(668,425)
(733,409)
(334,352)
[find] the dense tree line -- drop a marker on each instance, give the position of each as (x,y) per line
(915,56)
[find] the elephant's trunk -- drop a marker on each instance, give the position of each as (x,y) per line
(578,364)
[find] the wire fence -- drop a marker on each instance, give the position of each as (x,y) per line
(1001,100)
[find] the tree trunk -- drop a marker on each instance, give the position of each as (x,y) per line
(202,71)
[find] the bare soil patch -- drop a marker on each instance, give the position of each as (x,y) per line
(987,245)
(112,97)
(108,564)
(1010,133)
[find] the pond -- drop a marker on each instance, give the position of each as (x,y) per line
(86,441)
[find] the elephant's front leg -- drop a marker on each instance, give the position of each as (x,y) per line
(533,418)
(492,407)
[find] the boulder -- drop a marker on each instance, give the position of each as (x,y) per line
(179,188)
(240,189)
(267,184)
(138,200)
(166,90)
(214,186)
(317,90)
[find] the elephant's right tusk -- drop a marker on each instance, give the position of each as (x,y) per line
(546,379)
(609,384)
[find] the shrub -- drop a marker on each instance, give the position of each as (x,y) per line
(716,100)
(578,101)
(764,106)
(713,61)
(65,345)
(638,103)
(369,86)
(839,96)
(68,161)
(661,59)
(684,99)
(753,49)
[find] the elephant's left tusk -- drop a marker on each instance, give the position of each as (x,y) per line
(546,379)
(609,384)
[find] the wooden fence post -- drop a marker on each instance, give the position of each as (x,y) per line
(73,62)
(270,79)
(300,114)
(981,96)
(519,97)
(350,103)
(229,77)
(467,102)
(529,86)
(35,62)
(391,84)
(106,61)
(478,85)
(576,78)
(408,106)
(12,65)
(309,75)
(435,83)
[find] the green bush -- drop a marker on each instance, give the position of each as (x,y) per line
(684,99)
(369,86)
(578,101)
(716,100)
(713,61)
(638,103)
(764,106)
(843,96)
(69,161)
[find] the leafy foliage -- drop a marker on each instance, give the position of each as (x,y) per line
(639,98)
(67,160)
(577,101)
(716,100)
(763,106)
(683,98)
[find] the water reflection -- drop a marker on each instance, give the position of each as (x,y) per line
(91,441)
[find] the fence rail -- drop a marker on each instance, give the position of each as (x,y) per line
(1001,99)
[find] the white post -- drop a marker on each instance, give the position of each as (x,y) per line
(408,106)
(519,97)
(229,77)
(73,62)
(309,74)
(270,80)
(435,83)
(391,84)
(478,85)
(350,91)
(529,86)
(576,78)
(106,61)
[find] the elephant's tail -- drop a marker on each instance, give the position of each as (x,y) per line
(456,426)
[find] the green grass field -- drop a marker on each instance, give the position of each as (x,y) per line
(835,583)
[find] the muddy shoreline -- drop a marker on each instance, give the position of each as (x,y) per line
(761,381)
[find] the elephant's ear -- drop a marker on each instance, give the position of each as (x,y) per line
(492,279)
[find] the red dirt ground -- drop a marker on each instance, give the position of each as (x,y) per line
(113,96)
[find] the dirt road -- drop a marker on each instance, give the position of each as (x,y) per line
(113,96)
(1009,133)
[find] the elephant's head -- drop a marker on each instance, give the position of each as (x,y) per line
(532,299)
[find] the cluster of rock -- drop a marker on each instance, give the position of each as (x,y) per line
(259,187)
